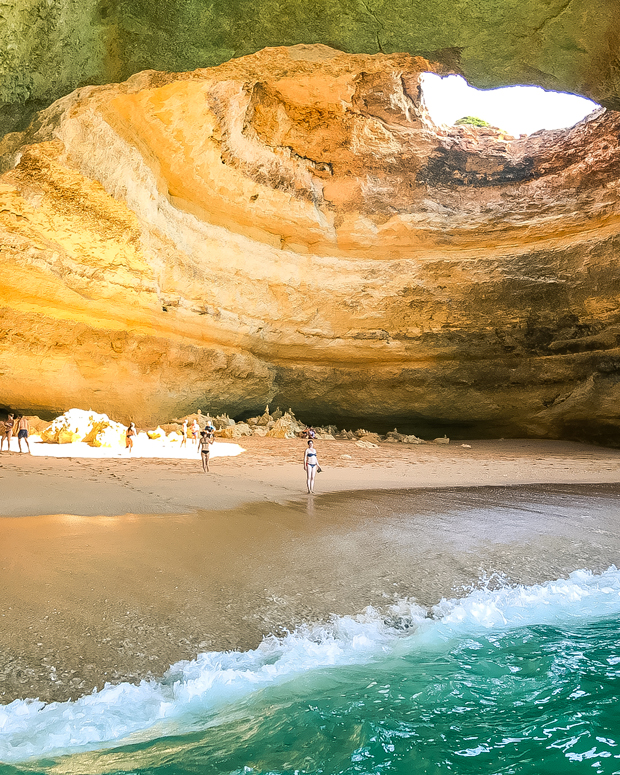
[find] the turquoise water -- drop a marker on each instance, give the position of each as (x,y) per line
(511,680)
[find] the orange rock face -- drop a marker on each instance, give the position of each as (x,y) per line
(290,227)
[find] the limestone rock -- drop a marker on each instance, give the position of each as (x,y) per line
(373,438)
(171,427)
(442,440)
(235,431)
(222,422)
(106,434)
(412,439)
(79,425)
(559,45)
(290,228)
(284,428)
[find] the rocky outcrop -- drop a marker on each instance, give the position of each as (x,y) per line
(49,49)
(290,227)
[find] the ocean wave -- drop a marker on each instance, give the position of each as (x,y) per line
(192,691)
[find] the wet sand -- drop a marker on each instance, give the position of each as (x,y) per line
(87,600)
(223,560)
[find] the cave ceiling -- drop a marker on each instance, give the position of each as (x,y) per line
(47,49)
(216,223)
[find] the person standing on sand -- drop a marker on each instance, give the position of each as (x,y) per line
(184,434)
(130,433)
(311,466)
(6,432)
(204,447)
(22,432)
(195,429)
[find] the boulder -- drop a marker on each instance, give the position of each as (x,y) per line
(106,434)
(67,436)
(235,431)
(411,439)
(75,425)
(284,428)
(222,421)
(373,438)
(171,427)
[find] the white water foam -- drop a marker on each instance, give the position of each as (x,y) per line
(124,713)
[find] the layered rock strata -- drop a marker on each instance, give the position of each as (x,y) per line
(48,49)
(291,227)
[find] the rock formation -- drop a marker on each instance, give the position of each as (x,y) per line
(48,49)
(290,227)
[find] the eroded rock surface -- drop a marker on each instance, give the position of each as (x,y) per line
(290,227)
(48,49)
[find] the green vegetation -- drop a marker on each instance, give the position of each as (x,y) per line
(471,121)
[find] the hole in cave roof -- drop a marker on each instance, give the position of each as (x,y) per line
(515,109)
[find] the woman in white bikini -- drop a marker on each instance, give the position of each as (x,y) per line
(311,465)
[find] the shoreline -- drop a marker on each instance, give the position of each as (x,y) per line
(271,470)
(112,570)
(89,601)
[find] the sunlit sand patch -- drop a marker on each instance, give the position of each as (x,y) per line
(88,434)
(143,448)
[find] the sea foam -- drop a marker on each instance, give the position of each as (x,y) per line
(196,689)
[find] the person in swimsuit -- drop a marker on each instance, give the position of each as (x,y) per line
(311,464)
(130,433)
(22,432)
(204,446)
(6,432)
(195,430)
(184,434)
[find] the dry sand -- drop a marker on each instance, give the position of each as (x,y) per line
(111,570)
(271,470)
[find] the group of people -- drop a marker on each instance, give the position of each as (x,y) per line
(12,426)
(203,438)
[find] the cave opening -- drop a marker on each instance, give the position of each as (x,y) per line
(515,110)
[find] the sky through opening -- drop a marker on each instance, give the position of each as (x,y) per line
(515,109)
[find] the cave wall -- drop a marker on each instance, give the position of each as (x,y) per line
(50,47)
(290,227)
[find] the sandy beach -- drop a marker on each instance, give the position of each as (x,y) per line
(112,570)
(271,470)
